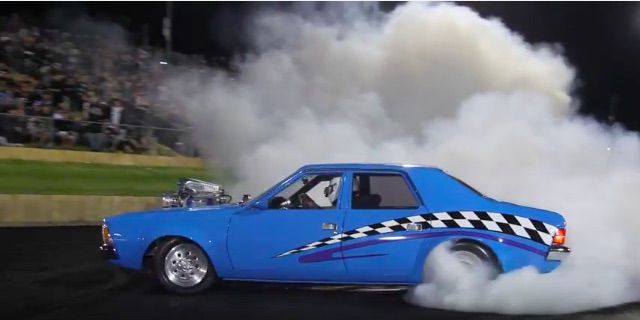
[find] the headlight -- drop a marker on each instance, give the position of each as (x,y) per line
(106,236)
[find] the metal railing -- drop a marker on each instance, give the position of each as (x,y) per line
(78,134)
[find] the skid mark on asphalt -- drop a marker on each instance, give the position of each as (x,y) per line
(56,273)
(64,290)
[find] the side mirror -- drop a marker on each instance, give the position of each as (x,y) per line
(260,205)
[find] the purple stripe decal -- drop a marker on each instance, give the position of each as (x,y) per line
(327,255)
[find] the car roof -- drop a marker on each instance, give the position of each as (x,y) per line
(364,165)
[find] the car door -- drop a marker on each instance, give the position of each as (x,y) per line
(279,244)
(384,236)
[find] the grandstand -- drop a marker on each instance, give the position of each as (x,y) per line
(84,92)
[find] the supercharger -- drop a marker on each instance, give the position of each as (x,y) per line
(194,192)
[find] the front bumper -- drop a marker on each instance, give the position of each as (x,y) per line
(558,253)
(108,252)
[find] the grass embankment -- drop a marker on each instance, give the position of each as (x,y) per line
(43,177)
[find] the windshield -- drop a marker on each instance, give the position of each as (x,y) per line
(254,199)
(468,186)
(293,188)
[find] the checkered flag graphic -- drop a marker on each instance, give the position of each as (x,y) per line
(531,229)
(535,230)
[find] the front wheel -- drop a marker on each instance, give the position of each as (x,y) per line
(183,267)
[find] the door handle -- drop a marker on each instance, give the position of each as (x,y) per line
(329,226)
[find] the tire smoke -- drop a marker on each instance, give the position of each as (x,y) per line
(434,84)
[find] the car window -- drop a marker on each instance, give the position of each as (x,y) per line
(275,186)
(474,190)
(317,194)
(382,191)
(295,186)
(313,186)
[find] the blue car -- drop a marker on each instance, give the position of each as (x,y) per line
(357,224)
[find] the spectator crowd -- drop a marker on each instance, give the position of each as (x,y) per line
(80,91)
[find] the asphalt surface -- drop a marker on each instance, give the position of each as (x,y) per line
(57,273)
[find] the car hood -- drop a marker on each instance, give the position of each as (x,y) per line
(178,213)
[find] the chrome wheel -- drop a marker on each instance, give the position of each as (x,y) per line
(467,259)
(185,265)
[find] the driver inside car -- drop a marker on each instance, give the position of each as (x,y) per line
(331,191)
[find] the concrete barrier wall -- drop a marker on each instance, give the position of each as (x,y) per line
(98,157)
(63,209)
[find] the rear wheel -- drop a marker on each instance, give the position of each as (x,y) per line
(183,267)
(476,257)
(464,258)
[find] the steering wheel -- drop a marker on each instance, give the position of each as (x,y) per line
(306,201)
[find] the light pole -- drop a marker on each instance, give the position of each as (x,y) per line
(613,109)
(166,29)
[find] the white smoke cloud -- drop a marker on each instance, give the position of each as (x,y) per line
(436,84)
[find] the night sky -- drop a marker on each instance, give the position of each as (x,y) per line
(601,39)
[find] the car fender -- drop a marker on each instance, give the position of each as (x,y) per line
(511,253)
(135,237)
(214,245)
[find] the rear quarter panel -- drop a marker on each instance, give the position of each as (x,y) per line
(442,194)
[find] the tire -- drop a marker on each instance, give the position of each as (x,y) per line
(473,257)
(476,256)
(182,267)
